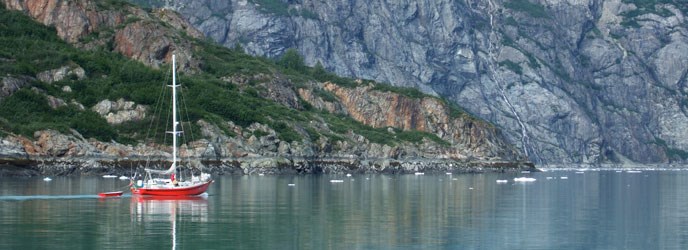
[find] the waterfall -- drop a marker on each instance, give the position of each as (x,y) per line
(493,46)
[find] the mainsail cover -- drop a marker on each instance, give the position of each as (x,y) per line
(168,171)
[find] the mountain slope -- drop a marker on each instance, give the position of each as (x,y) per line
(588,81)
(71,95)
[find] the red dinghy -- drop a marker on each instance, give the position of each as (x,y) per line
(111,194)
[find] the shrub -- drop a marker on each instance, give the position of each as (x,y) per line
(92,125)
(515,67)
(292,60)
(533,9)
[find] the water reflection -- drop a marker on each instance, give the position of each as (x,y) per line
(148,210)
(588,210)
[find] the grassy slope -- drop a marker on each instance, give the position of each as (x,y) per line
(27,47)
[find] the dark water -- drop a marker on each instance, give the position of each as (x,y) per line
(590,210)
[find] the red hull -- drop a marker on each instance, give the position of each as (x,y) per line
(176,191)
(111,194)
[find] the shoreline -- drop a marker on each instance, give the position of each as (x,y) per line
(60,166)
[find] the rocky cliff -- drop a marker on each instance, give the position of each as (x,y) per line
(359,127)
(150,38)
(587,81)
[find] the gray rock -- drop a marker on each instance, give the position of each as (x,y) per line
(120,111)
(9,85)
(568,81)
(61,73)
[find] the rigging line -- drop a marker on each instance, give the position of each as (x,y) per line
(185,111)
(157,112)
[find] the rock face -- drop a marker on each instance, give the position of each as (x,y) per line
(139,35)
(387,109)
(61,73)
(71,19)
(120,111)
(318,147)
(466,143)
(9,85)
(586,81)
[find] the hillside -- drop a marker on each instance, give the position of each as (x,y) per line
(586,81)
(83,91)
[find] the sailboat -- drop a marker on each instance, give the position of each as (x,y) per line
(167,182)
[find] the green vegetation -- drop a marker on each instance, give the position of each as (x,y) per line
(672,153)
(405,91)
(647,7)
(292,60)
(533,9)
(27,48)
(651,5)
(282,8)
(512,66)
(27,111)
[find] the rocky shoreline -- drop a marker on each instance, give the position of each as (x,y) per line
(54,166)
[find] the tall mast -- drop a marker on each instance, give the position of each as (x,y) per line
(174,111)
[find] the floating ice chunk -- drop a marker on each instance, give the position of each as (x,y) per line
(124,177)
(419,173)
(502,181)
(449,173)
(109,176)
(47,179)
(619,171)
(348,175)
(525,172)
(564,178)
(261,174)
(580,172)
(336,181)
(524,179)
(549,177)
(633,171)
(291,184)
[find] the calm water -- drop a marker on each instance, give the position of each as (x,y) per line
(590,210)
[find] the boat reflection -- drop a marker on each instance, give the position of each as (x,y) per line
(177,210)
(159,208)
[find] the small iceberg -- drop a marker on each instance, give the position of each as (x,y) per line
(502,181)
(109,176)
(47,179)
(524,179)
(549,177)
(348,175)
(291,184)
(419,173)
(633,171)
(449,173)
(124,177)
(261,174)
(336,181)
(564,178)
(580,172)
